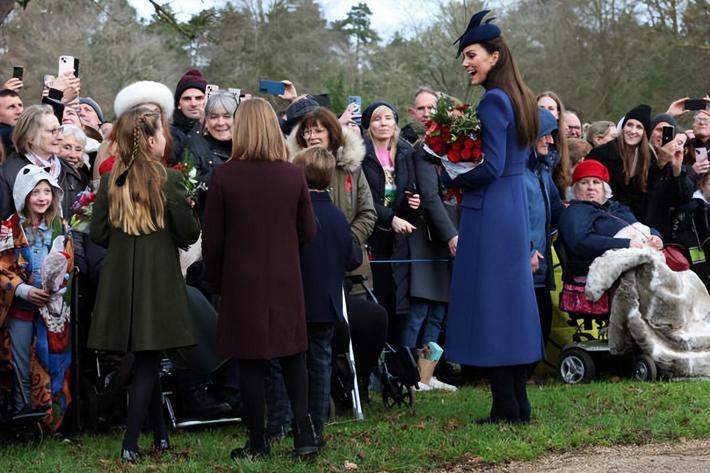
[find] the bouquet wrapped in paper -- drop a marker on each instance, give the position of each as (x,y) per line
(454,136)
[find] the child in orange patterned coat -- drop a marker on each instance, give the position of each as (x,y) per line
(36,261)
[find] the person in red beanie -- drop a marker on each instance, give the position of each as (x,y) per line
(589,225)
(189,111)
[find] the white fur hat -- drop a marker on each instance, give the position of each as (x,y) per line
(27,179)
(144,91)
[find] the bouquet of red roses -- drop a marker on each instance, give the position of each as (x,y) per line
(454,135)
(82,209)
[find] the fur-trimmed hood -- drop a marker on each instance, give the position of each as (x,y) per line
(349,156)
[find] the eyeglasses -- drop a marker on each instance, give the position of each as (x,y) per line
(55,131)
(313,132)
(702,121)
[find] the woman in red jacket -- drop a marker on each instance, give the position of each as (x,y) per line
(257,217)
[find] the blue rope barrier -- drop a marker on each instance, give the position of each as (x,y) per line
(384,261)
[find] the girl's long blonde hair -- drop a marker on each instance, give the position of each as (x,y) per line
(135,192)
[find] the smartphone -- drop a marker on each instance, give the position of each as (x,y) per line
(46,79)
(55,94)
(272,87)
(210,88)
(18,72)
(696,104)
(76,67)
(66,64)
(322,99)
(701,155)
(668,135)
(356,99)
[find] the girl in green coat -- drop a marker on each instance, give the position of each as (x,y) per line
(142,216)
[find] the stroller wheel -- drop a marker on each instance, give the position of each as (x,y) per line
(575,366)
(644,369)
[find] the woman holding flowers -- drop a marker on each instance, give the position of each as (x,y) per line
(141,215)
(493,320)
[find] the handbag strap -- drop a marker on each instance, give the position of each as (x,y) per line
(627,224)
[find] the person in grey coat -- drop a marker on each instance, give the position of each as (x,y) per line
(435,238)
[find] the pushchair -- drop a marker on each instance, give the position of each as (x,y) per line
(589,353)
(17,426)
(396,370)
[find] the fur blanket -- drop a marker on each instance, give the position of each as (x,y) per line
(665,313)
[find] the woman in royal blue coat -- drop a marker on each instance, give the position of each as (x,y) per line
(493,319)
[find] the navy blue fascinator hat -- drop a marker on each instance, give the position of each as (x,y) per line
(477,32)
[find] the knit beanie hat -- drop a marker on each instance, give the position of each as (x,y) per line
(93,104)
(642,113)
(27,179)
(367,113)
(193,79)
(660,118)
(590,168)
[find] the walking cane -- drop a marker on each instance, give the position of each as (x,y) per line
(357,407)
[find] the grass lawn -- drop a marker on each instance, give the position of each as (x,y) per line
(441,433)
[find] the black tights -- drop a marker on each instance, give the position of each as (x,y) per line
(145,397)
(509,391)
(252,374)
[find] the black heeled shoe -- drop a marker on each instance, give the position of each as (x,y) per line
(490,420)
(128,455)
(162,445)
(248,452)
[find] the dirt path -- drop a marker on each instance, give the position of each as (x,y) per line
(687,457)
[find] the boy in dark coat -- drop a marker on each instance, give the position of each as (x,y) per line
(324,263)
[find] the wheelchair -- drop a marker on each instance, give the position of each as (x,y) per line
(589,354)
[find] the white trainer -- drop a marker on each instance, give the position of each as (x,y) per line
(436,384)
(423,387)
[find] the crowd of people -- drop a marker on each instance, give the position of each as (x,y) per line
(292,218)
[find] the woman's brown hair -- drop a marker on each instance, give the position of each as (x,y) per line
(562,174)
(506,76)
(321,116)
(138,206)
(629,153)
(257,135)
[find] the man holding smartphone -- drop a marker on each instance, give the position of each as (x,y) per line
(10,110)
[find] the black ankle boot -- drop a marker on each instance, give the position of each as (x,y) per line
(254,448)
(304,437)
(162,445)
(128,455)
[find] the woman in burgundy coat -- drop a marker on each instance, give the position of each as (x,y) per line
(257,216)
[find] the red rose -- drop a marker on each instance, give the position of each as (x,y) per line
(466,154)
(477,155)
